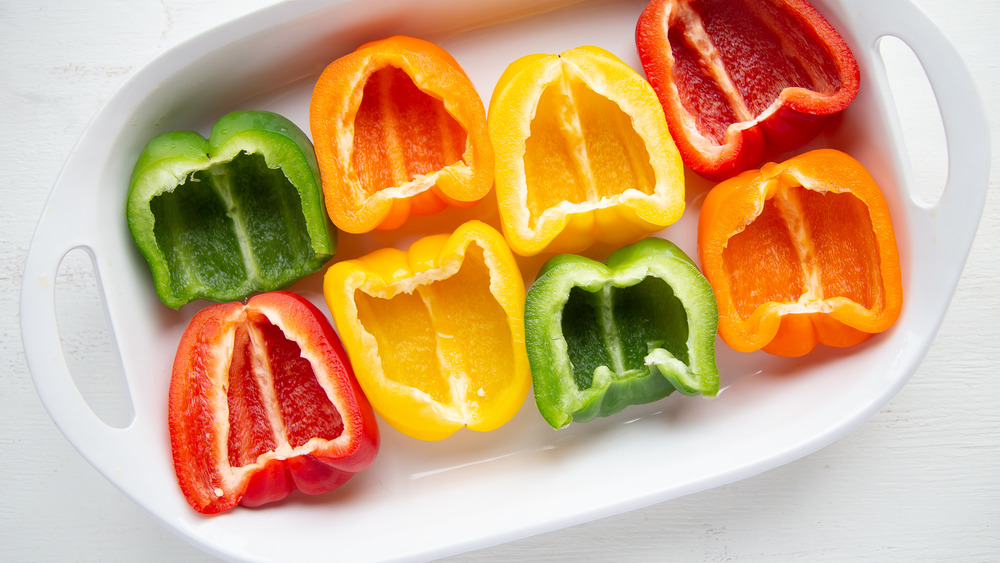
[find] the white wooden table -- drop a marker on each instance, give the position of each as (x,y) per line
(918,481)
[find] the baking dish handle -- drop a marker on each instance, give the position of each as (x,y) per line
(963,117)
(107,448)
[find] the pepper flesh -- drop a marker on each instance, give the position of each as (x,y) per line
(801,253)
(223,217)
(263,401)
(436,332)
(399,128)
(743,80)
(601,337)
(583,154)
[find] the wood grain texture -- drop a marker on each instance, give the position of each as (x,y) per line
(916,482)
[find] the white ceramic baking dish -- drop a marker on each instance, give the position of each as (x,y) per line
(422,500)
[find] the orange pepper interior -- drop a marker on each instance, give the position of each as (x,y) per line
(398,130)
(401,132)
(805,246)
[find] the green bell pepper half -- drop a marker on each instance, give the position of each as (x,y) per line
(223,217)
(601,337)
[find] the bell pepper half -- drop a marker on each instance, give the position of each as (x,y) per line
(436,332)
(583,153)
(223,217)
(601,337)
(801,253)
(741,80)
(399,128)
(263,401)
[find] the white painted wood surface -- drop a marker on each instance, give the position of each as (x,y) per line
(918,481)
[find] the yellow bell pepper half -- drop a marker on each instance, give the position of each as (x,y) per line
(582,153)
(436,333)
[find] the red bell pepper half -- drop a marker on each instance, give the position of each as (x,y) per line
(743,80)
(263,401)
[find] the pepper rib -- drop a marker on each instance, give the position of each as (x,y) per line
(264,378)
(390,121)
(612,340)
(573,130)
(790,210)
(222,185)
(711,61)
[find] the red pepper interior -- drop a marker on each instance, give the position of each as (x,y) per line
(250,432)
(273,394)
(401,132)
(732,59)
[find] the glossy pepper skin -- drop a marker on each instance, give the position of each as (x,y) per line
(436,332)
(801,253)
(583,153)
(399,129)
(601,337)
(263,401)
(238,212)
(741,80)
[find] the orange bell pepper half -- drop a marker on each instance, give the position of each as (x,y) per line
(583,153)
(398,128)
(436,332)
(801,253)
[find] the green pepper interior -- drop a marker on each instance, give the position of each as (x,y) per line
(617,327)
(231,223)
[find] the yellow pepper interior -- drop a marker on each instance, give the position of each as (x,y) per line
(448,338)
(582,148)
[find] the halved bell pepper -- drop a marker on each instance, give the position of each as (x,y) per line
(262,402)
(583,154)
(801,253)
(399,128)
(601,337)
(223,217)
(742,80)
(436,332)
